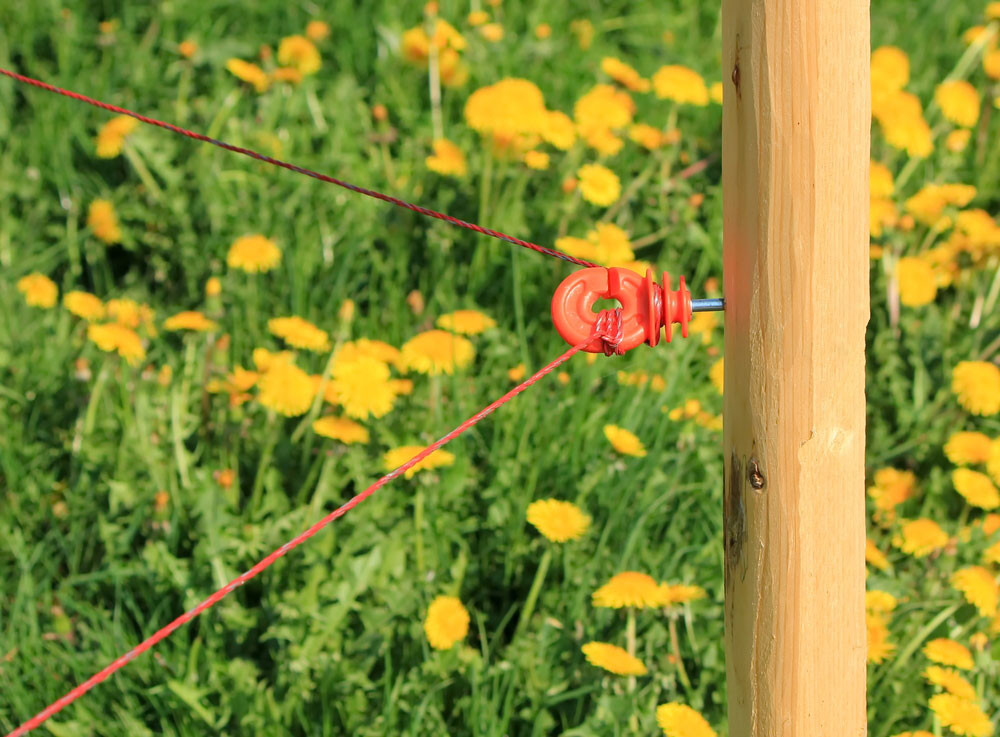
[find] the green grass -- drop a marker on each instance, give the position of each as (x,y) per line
(329,640)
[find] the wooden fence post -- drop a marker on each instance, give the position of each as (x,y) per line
(795,197)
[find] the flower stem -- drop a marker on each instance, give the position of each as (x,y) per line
(675,645)
(418,524)
(536,587)
(630,642)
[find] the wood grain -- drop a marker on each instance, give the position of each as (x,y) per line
(795,197)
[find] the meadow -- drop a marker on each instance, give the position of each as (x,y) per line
(201,355)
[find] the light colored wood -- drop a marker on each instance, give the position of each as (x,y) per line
(795,192)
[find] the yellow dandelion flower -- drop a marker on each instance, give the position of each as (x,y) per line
(190,320)
(437,352)
(633,589)
(393,459)
(680,720)
(959,102)
(977,488)
(624,441)
(958,140)
(376,349)
(213,287)
(965,448)
(250,73)
(929,203)
(101,219)
(286,389)
(466,322)
(991,522)
(879,645)
(517,373)
(509,108)
(890,69)
(715,92)
(543,31)
(680,84)
(647,136)
(903,124)
(253,254)
(38,290)
(130,313)
(979,588)
(317,30)
(992,11)
(492,32)
(880,180)
(242,380)
(537,160)
(362,387)
(624,74)
(603,106)
(879,601)
(917,283)
(477,18)
(187,48)
(920,538)
(991,63)
(882,213)
(613,659)
(948,652)
(299,333)
(875,557)
(447,159)
(558,521)
(598,184)
(112,135)
(84,305)
(917,733)
(951,681)
(892,488)
(680,593)
(960,715)
(716,375)
(977,386)
(974,34)
(603,140)
(340,428)
(992,553)
(993,468)
(558,130)
(112,337)
(285,74)
(264,360)
(447,622)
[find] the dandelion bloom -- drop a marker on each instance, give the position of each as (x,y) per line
(396,457)
(879,601)
(265,360)
(38,290)
(543,31)
(598,184)
(977,386)
(951,681)
(509,108)
(517,373)
(558,130)
(447,159)
(880,181)
(903,124)
(492,32)
(631,589)
(991,522)
(681,593)
(285,74)
(958,140)
(890,70)
(613,659)
(991,63)
(537,160)
(892,488)
(250,73)
(716,374)
(340,428)
(977,488)
(917,733)
(112,337)
(84,305)
(253,254)
(948,652)
(879,646)
(680,84)
(477,17)
(624,441)
(647,136)
(959,102)
(603,107)
(992,553)
(466,322)
(299,333)
(960,715)
(101,219)
(979,588)
(993,463)
(921,537)
(213,287)
(187,48)
(917,283)
(190,320)
(376,349)
(112,135)
(362,387)
(680,720)
(875,557)
(558,521)
(965,448)
(447,622)
(929,202)
(437,352)
(624,74)
(317,30)
(286,389)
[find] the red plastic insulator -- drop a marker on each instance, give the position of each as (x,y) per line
(646,306)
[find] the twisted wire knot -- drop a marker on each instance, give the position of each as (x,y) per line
(610,329)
